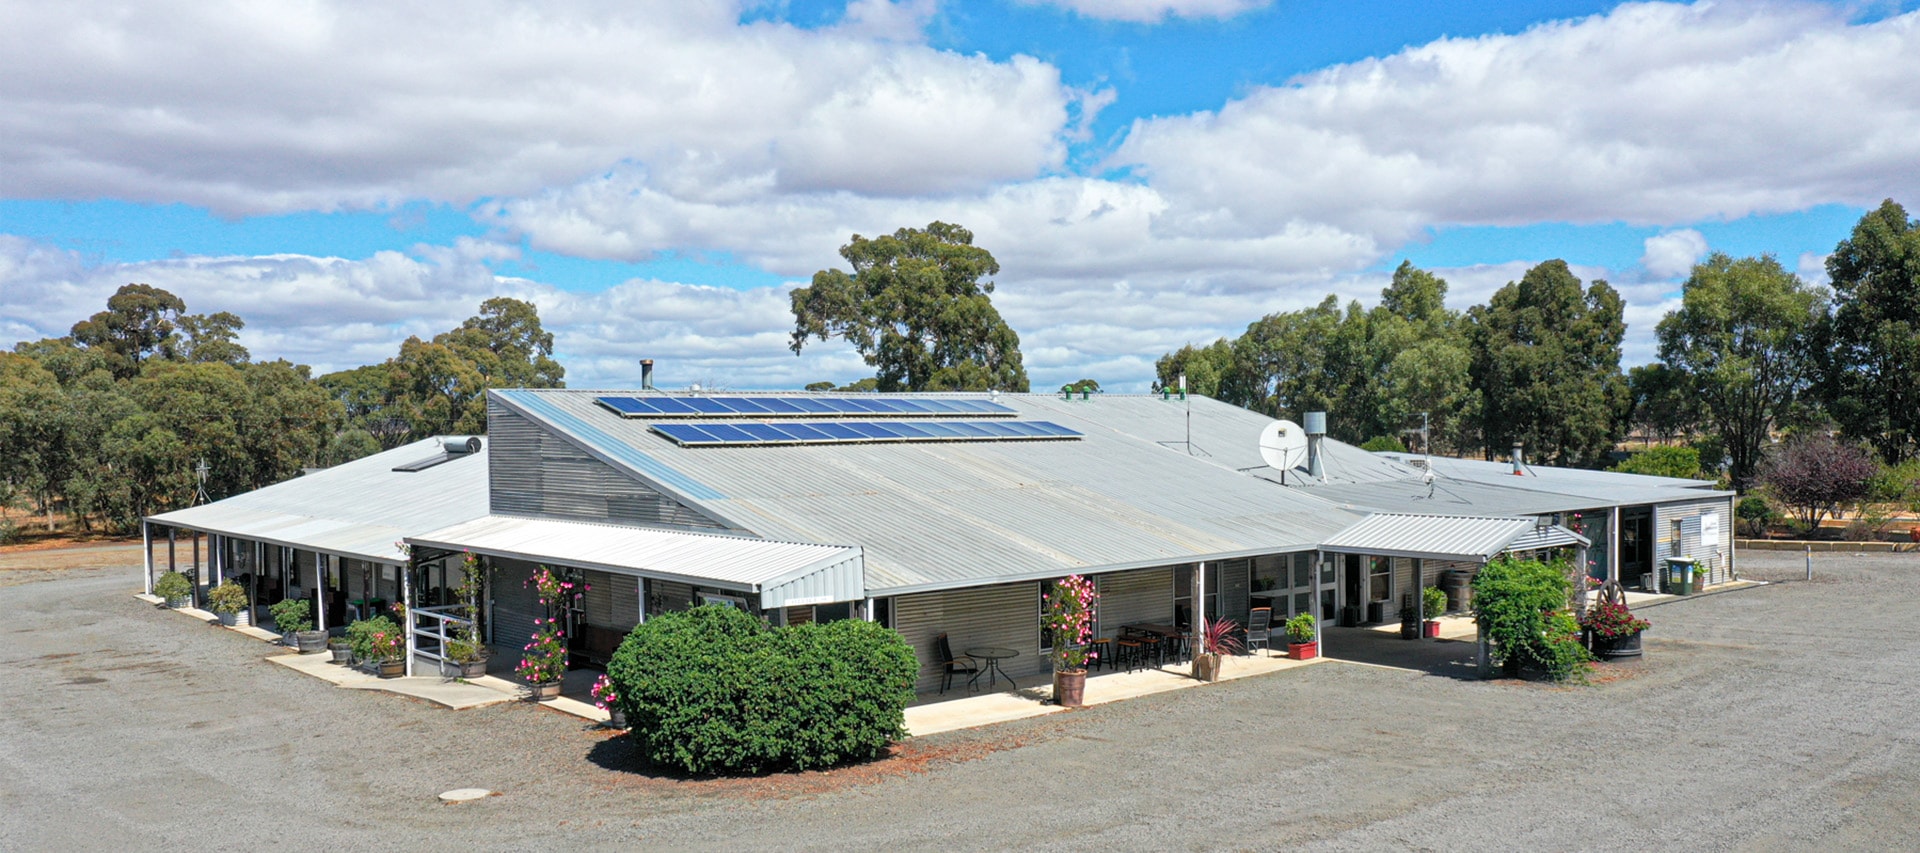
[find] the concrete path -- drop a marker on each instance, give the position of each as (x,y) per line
(1032,695)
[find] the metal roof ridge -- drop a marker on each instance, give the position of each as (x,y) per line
(710,534)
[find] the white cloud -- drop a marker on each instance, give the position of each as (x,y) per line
(246,108)
(1651,113)
(1673,253)
(1154,11)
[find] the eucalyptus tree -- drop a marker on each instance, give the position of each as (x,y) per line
(1871,345)
(1546,361)
(1739,341)
(918,308)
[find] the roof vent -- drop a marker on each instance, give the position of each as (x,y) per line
(1316,426)
(451,449)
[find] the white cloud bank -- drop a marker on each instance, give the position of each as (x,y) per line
(623,131)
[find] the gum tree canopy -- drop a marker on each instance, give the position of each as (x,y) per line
(1871,379)
(1546,357)
(917,308)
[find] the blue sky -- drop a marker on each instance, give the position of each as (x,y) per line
(1148,172)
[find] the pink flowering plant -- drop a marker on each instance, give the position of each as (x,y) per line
(1069,621)
(386,645)
(545,660)
(605,694)
(1610,621)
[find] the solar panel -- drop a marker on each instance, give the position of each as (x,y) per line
(794,406)
(846,432)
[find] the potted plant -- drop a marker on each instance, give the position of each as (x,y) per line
(1301,644)
(290,616)
(377,640)
(1409,618)
(1220,637)
(469,655)
(340,647)
(544,663)
(607,697)
(1612,631)
(1699,577)
(175,588)
(1434,599)
(1069,622)
(229,602)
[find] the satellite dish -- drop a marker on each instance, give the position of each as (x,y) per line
(1282,444)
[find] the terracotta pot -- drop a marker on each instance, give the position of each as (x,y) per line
(1070,688)
(1430,628)
(1303,651)
(1206,667)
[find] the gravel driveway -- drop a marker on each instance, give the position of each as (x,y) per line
(1781,717)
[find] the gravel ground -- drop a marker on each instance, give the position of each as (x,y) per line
(1780,717)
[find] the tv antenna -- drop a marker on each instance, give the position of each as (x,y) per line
(200,472)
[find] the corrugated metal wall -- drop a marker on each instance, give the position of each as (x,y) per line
(535,472)
(1007,615)
(612,600)
(515,606)
(1133,597)
(1712,554)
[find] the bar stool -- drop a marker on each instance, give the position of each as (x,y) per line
(1133,652)
(1102,650)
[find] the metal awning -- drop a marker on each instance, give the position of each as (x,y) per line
(1445,537)
(775,574)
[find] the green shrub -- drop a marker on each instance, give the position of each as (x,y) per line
(1300,628)
(228,597)
(291,614)
(1384,444)
(1434,599)
(1683,462)
(1756,512)
(1520,607)
(375,638)
(713,690)
(172,585)
(9,531)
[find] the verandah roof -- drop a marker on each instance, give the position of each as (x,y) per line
(777,574)
(1445,537)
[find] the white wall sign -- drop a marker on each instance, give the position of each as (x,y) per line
(1710,530)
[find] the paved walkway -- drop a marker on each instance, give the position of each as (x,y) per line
(1032,695)
(426,683)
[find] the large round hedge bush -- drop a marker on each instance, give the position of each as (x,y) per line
(714,690)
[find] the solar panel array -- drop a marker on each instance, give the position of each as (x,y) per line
(793,406)
(852,432)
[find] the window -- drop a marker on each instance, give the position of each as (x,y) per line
(717,598)
(1379,578)
(1679,539)
(833,612)
(883,612)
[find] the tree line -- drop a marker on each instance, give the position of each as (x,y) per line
(1753,353)
(113,421)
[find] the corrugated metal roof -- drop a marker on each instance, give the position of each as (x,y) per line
(937,515)
(1609,488)
(357,509)
(1436,536)
(1454,497)
(823,573)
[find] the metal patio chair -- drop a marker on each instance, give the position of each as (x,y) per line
(961,665)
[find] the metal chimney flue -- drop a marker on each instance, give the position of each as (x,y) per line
(1519,459)
(1316,428)
(646,374)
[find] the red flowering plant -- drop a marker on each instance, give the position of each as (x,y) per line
(1612,621)
(1069,621)
(386,645)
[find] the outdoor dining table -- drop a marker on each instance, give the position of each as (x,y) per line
(992,655)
